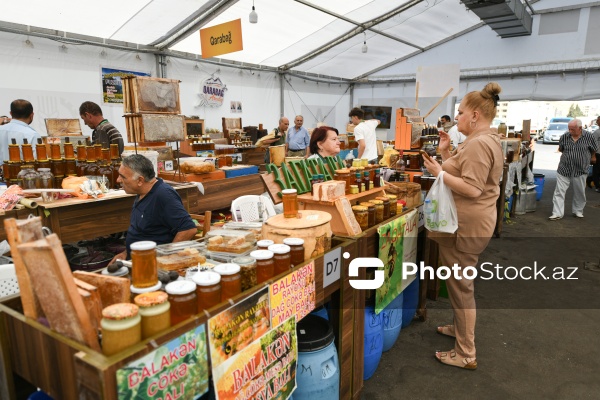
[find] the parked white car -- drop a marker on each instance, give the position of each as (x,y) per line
(555,131)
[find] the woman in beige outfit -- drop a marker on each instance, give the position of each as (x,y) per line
(473,173)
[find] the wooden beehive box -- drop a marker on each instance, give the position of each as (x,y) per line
(155,127)
(142,94)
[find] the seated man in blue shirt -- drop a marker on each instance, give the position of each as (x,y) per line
(158,213)
(18,128)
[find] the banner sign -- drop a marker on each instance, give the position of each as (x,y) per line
(263,370)
(293,295)
(232,330)
(176,370)
(112,87)
(221,39)
(397,244)
(213,93)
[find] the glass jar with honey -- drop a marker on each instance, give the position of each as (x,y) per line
(296,250)
(247,271)
(144,272)
(136,291)
(378,210)
(208,289)
(264,244)
(343,175)
(231,282)
(183,300)
(121,327)
(371,211)
(393,204)
(282,258)
(386,206)
(265,265)
(361,213)
(155,311)
(290,203)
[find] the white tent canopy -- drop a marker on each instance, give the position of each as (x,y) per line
(319,42)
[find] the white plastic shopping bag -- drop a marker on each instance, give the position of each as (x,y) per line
(440,210)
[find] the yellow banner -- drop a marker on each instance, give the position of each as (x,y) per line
(221,39)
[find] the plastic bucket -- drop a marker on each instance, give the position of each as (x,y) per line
(373,341)
(318,372)
(392,322)
(539,179)
(411,299)
(320,312)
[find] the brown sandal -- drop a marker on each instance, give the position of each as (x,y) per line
(451,358)
(446,330)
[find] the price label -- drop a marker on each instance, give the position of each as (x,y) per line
(421,217)
(332,265)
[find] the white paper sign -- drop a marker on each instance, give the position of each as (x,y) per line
(332,265)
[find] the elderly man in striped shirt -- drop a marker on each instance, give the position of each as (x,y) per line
(578,150)
(104,132)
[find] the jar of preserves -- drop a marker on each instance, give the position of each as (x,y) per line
(155,311)
(114,151)
(68,149)
(343,175)
(282,257)
(70,167)
(353,189)
(183,300)
(361,213)
(45,179)
(247,271)
(296,250)
(377,181)
(393,204)
(378,211)
(264,244)
(231,282)
(414,162)
(290,203)
(27,178)
(265,265)
(55,151)
(41,151)
(121,327)
(58,167)
(371,210)
(386,207)
(144,272)
(27,151)
(208,289)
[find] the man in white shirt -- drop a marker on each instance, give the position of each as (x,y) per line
(364,134)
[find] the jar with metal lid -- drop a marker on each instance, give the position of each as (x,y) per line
(208,289)
(27,178)
(290,203)
(393,204)
(247,271)
(144,272)
(371,210)
(121,327)
(136,291)
(265,265)
(361,213)
(378,210)
(45,179)
(264,244)
(296,250)
(353,189)
(282,257)
(155,311)
(386,206)
(183,300)
(231,282)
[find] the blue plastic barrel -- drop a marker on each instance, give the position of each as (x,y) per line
(539,179)
(392,322)
(318,372)
(321,312)
(411,299)
(373,341)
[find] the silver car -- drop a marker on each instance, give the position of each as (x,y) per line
(555,131)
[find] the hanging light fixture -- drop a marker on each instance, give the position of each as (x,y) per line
(364,48)
(253,15)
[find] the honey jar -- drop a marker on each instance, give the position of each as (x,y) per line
(247,271)
(290,203)
(296,250)
(282,258)
(265,265)
(183,300)
(155,311)
(371,211)
(231,283)
(361,213)
(144,272)
(264,244)
(378,210)
(121,327)
(393,204)
(386,206)
(208,289)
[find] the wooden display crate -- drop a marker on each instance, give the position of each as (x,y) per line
(155,128)
(142,94)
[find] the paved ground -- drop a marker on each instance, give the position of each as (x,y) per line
(535,339)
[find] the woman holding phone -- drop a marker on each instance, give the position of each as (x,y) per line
(472,171)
